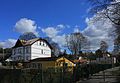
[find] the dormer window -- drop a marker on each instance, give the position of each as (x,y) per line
(40,43)
(43,44)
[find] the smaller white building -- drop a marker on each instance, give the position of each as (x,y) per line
(31,49)
(108,59)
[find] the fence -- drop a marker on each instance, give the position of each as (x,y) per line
(50,75)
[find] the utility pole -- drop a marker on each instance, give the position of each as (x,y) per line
(1,46)
(3,54)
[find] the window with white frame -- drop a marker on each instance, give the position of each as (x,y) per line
(40,43)
(42,51)
(43,44)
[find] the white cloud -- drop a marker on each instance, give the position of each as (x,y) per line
(60,39)
(87,20)
(8,43)
(61,26)
(117,0)
(97,31)
(94,31)
(76,30)
(26,25)
(53,32)
(50,31)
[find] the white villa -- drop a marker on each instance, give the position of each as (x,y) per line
(31,49)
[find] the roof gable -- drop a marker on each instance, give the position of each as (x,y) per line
(20,43)
(65,58)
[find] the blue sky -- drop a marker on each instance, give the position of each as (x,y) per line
(52,18)
(43,12)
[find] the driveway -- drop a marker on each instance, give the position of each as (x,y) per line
(106,76)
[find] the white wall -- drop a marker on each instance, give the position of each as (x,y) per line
(40,50)
(36,50)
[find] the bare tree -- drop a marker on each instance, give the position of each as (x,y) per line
(86,45)
(27,36)
(75,42)
(116,49)
(56,48)
(103,46)
(108,9)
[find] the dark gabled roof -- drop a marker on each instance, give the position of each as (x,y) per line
(20,43)
(30,42)
(44,59)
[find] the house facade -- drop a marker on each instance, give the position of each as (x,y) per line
(52,62)
(31,49)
